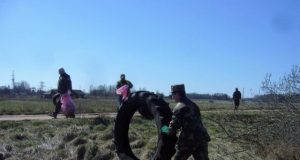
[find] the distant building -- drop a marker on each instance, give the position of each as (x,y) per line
(75,94)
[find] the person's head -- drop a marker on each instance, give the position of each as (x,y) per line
(61,71)
(123,77)
(236,89)
(178,92)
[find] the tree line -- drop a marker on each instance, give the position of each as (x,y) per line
(24,88)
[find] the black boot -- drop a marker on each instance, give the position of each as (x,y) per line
(54,115)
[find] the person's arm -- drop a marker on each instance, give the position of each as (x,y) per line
(129,84)
(58,85)
(69,85)
(175,124)
(177,118)
(69,82)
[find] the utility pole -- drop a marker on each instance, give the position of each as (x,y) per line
(13,80)
(42,85)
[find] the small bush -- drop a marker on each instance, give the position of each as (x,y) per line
(8,148)
(104,155)
(91,152)
(81,152)
(79,141)
(100,127)
(137,144)
(101,120)
(19,136)
(69,137)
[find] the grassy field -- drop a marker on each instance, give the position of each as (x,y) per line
(41,106)
(93,139)
(96,105)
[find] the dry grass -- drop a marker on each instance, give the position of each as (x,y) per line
(93,139)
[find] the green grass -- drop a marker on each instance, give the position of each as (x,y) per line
(42,106)
(71,138)
(96,105)
(93,139)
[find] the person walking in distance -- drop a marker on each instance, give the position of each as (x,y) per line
(64,86)
(193,139)
(120,84)
(236,96)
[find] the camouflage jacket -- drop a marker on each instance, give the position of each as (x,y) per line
(125,82)
(186,116)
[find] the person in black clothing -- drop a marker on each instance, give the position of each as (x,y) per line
(236,98)
(64,86)
(121,83)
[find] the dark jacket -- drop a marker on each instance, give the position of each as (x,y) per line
(64,83)
(236,95)
(186,116)
(124,82)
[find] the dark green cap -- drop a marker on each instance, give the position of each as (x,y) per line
(178,88)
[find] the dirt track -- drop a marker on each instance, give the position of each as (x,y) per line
(46,117)
(83,115)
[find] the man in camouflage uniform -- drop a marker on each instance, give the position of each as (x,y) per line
(193,139)
(121,83)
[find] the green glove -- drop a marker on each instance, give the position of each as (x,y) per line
(165,129)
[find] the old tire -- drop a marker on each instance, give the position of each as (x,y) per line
(150,107)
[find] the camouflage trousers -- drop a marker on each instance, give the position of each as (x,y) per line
(199,152)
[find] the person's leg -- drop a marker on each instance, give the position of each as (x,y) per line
(57,103)
(71,116)
(54,98)
(236,103)
(182,154)
(201,152)
(57,108)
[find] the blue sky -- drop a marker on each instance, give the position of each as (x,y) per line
(211,46)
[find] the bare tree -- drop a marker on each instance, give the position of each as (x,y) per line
(275,130)
(103,90)
(284,92)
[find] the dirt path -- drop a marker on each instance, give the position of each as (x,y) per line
(46,117)
(85,115)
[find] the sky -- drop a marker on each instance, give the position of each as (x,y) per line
(211,46)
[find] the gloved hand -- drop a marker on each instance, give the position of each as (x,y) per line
(69,92)
(165,129)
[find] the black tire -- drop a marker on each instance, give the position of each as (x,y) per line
(143,99)
(150,107)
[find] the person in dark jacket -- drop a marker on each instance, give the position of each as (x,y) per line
(64,86)
(236,98)
(121,83)
(193,139)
